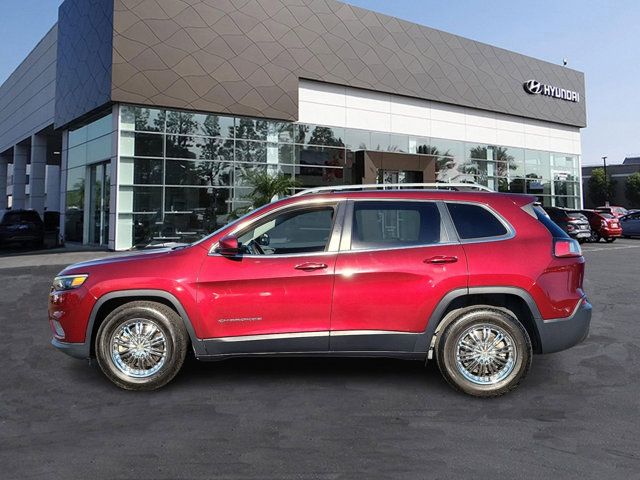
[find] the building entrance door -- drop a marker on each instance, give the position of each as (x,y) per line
(99,197)
(372,167)
(559,189)
(399,176)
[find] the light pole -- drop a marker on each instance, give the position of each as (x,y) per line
(606,182)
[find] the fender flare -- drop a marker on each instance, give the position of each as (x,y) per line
(426,342)
(197,344)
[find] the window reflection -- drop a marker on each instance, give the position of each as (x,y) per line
(183,173)
(142,119)
(250,152)
(189,172)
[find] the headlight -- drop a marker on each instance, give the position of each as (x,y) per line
(68,282)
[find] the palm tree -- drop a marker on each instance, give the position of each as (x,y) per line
(266,186)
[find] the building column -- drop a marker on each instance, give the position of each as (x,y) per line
(52,203)
(38,170)
(3,182)
(62,197)
(20,157)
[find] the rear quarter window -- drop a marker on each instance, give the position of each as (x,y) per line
(474,221)
(554,229)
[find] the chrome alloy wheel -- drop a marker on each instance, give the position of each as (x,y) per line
(138,348)
(485,354)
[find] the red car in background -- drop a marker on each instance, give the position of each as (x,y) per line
(603,225)
(613,210)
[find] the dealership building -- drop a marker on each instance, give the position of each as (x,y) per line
(141,120)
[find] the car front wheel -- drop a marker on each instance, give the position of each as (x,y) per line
(484,352)
(141,345)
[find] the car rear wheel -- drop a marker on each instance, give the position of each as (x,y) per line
(484,352)
(610,239)
(141,345)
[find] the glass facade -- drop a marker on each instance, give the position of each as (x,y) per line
(183,174)
(89,148)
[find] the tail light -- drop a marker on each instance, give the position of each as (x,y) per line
(603,223)
(566,247)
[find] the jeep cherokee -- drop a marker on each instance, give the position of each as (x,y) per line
(480,281)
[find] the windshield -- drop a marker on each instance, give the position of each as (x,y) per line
(234,222)
(575,214)
(606,215)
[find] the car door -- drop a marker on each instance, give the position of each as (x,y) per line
(276,294)
(397,260)
(631,224)
(635,224)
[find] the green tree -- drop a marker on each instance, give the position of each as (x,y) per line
(265,186)
(324,136)
(632,189)
(600,188)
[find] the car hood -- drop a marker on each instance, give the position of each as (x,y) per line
(127,257)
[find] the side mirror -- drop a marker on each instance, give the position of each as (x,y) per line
(229,246)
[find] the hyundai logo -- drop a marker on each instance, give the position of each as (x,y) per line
(535,87)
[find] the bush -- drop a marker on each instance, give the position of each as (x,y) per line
(632,189)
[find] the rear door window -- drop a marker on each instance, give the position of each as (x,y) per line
(475,222)
(383,224)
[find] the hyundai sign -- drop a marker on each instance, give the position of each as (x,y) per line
(534,87)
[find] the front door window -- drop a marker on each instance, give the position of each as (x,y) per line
(299,231)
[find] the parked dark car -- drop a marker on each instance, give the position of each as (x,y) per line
(22,227)
(603,225)
(574,223)
(630,225)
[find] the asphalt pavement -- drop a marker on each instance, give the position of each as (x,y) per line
(574,416)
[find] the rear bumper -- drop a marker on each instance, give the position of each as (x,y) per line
(75,350)
(563,333)
(611,232)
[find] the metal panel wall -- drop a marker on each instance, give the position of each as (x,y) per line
(27,98)
(245,58)
(85,41)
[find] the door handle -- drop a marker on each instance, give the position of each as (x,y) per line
(309,267)
(441,259)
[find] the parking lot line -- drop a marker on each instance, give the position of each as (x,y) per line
(599,249)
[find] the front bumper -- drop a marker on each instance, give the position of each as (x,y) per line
(75,350)
(562,333)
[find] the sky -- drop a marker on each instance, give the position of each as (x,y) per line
(598,38)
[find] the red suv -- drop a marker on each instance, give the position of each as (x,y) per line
(480,281)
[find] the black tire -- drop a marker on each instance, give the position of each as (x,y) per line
(468,319)
(170,332)
(610,239)
(582,240)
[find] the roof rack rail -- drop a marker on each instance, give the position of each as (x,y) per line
(395,186)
